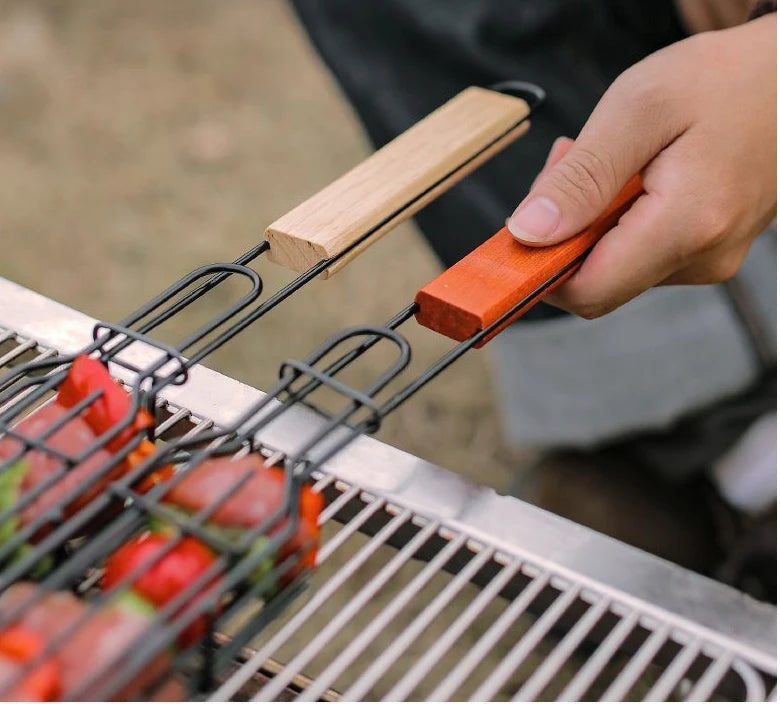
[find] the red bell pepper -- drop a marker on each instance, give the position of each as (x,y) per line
(165,577)
(42,683)
(114,405)
(161,474)
(87,375)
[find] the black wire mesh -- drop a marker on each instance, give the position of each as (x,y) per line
(63,545)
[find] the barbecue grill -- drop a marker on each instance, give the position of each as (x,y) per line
(427,586)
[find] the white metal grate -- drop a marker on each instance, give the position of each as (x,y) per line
(413,602)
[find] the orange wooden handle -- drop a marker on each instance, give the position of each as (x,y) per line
(500,273)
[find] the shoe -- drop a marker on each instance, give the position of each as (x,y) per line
(749,562)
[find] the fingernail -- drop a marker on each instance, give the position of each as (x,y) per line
(535,220)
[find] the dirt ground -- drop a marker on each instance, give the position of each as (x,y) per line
(141,140)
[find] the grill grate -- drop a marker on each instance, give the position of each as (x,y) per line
(408,606)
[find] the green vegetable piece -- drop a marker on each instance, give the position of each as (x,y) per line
(41,568)
(227,533)
(10,487)
(131,601)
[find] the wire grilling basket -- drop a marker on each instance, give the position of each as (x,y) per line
(98,495)
(125,482)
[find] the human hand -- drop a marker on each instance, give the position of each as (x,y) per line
(698,121)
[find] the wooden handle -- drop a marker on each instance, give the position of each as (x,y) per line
(499,274)
(398,180)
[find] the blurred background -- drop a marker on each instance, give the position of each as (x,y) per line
(141,140)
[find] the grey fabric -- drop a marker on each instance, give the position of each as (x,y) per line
(757,283)
(671,351)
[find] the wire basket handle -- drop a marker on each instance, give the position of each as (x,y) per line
(482,287)
(403,176)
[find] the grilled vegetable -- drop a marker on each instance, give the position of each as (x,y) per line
(87,479)
(167,572)
(111,408)
(169,564)
(257,499)
(95,647)
(41,683)
(38,466)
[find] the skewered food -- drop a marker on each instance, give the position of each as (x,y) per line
(38,467)
(246,494)
(110,409)
(168,566)
(86,644)
(42,477)
(261,493)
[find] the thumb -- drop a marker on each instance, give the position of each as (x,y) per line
(572,191)
(558,150)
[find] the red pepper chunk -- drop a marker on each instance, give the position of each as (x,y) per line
(112,407)
(162,474)
(88,375)
(165,575)
(306,538)
(18,646)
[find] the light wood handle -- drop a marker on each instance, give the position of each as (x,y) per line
(398,180)
(499,274)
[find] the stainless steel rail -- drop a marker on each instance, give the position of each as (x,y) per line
(430,587)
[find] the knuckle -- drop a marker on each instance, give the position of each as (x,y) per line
(712,213)
(586,178)
(640,90)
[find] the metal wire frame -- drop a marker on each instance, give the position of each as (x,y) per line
(327,441)
(30,384)
(613,642)
(236,561)
(118,337)
(304,461)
